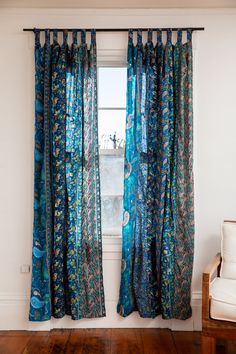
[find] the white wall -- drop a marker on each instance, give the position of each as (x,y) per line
(214,137)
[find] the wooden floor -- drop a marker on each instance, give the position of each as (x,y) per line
(104,341)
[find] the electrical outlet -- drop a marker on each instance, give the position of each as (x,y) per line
(25,268)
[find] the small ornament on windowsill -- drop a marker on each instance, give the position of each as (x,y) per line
(114,140)
(117,143)
(111,142)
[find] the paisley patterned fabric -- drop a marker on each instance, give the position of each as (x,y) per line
(67,246)
(158,224)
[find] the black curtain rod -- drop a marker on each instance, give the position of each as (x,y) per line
(116,29)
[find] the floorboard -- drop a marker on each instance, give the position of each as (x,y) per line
(97,341)
(75,342)
(13,344)
(38,343)
(126,340)
(158,341)
(187,342)
(57,341)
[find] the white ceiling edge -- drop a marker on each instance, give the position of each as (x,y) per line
(118,11)
(119,4)
(103,13)
(120,8)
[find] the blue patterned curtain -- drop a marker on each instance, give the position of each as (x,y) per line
(67,247)
(158,224)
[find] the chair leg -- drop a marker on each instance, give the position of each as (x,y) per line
(208,345)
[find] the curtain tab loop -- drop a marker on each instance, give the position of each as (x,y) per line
(169,35)
(83,36)
(159,36)
(139,39)
(65,37)
(149,35)
(189,35)
(93,36)
(74,35)
(47,36)
(130,34)
(179,36)
(37,37)
(55,38)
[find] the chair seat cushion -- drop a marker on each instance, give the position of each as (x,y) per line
(223,299)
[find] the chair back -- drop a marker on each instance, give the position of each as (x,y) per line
(228,250)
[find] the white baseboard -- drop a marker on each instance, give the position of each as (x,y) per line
(14,316)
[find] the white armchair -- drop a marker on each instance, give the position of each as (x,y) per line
(219,293)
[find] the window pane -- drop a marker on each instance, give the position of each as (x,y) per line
(111,127)
(112,188)
(112,87)
(112,212)
(112,172)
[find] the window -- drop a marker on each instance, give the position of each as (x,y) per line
(111,107)
(111,125)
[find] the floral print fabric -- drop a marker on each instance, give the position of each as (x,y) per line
(67,246)
(158,224)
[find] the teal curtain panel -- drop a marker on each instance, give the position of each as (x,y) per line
(67,246)
(158,223)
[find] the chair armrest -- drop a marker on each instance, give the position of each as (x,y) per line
(213,266)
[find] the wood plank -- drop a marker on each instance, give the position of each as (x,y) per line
(76,341)
(38,343)
(158,341)
(231,347)
(57,341)
(16,333)
(187,342)
(97,341)
(126,341)
(13,344)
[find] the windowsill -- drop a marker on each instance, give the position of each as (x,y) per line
(112,152)
(114,195)
(112,239)
(111,247)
